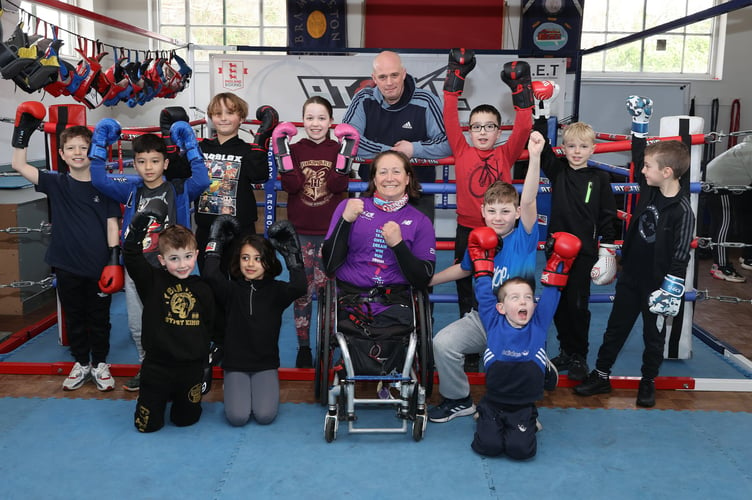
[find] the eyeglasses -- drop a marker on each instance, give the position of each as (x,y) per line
(488,127)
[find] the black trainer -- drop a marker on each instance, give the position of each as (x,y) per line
(562,361)
(646,393)
(578,368)
(593,384)
(304,358)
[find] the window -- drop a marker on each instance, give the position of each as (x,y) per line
(230,22)
(69,26)
(689,50)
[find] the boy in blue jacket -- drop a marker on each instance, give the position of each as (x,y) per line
(171,200)
(515,360)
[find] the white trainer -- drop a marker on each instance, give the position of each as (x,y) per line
(77,377)
(102,377)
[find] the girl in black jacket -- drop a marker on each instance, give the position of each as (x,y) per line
(254,303)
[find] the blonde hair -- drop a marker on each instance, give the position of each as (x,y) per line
(579,131)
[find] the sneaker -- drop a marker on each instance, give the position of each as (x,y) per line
(305,358)
(551,378)
(134,383)
(578,368)
(77,377)
(451,408)
(745,263)
(646,393)
(593,384)
(102,377)
(562,361)
(727,273)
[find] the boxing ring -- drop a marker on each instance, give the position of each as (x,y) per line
(688,129)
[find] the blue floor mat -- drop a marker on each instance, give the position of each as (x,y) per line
(59,448)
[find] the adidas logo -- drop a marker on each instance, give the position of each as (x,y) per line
(407,125)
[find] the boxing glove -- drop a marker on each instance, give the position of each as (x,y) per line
(640,109)
(461,62)
(544,92)
(29,116)
(563,249)
(281,146)
(106,133)
(167,117)
(139,227)
(216,353)
(284,239)
(349,138)
(667,299)
(481,247)
(604,270)
(185,138)
(516,75)
(269,119)
(222,231)
(112,278)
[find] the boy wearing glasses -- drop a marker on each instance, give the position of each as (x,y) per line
(480,165)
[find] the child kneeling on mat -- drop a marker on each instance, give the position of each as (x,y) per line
(177,322)
(517,368)
(253,302)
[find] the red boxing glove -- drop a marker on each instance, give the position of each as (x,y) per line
(544,92)
(563,248)
(112,278)
(349,138)
(29,116)
(481,246)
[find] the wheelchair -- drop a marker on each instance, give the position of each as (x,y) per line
(398,357)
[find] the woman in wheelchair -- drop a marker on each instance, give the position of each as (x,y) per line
(379,245)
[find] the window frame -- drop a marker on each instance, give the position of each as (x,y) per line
(200,47)
(717,36)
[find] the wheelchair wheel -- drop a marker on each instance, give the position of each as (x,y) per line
(323,337)
(425,356)
(330,428)
(419,426)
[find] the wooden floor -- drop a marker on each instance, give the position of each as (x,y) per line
(728,320)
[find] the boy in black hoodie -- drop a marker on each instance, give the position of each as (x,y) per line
(177,323)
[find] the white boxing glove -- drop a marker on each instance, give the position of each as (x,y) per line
(668,298)
(640,108)
(604,270)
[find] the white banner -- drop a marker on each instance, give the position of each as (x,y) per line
(285,82)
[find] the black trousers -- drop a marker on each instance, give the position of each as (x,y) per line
(87,316)
(465,294)
(509,432)
(729,215)
(572,317)
(161,383)
(630,301)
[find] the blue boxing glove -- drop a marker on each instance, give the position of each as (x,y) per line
(641,108)
(185,138)
(667,299)
(106,133)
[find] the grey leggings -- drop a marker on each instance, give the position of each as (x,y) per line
(251,394)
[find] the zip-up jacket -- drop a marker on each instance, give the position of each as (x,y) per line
(253,315)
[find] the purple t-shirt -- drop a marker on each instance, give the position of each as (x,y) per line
(370,262)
